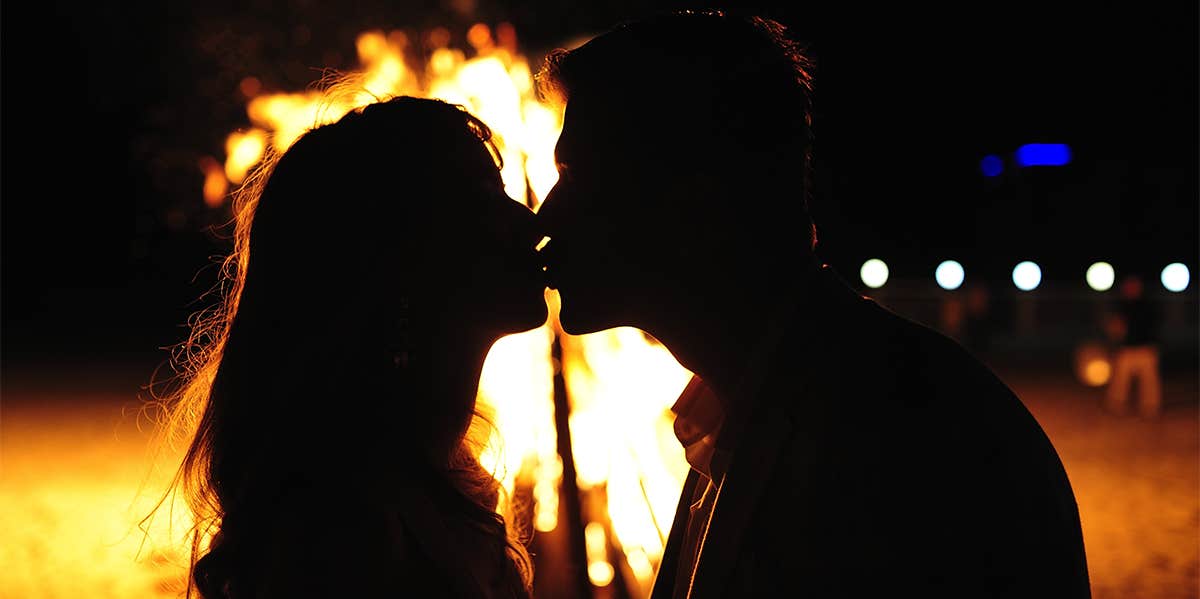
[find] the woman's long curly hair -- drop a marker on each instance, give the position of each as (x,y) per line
(293,373)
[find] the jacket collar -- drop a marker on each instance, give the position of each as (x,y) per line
(761,429)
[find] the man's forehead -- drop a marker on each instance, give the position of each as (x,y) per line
(591,124)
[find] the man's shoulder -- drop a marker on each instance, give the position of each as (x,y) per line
(889,385)
(894,386)
(865,347)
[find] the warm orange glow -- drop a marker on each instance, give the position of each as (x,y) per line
(73,487)
(1092,364)
(547,475)
(600,571)
(370,46)
(622,385)
(480,37)
(215,183)
(639,562)
(439,37)
(245,149)
(506,36)
(516,387)
(1097,372)
(250,87)
(288,115)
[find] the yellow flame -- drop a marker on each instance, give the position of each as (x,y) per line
(516,386)
(245,149)
(622,385)
(600,571)
(548,474)
(370,45)
(640,564)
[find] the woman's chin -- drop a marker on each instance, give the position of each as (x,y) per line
(526,315)
(583,313)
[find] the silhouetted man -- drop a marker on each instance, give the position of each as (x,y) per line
(837,448)
(1136,353)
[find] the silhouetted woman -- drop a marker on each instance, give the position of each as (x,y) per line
(332,395)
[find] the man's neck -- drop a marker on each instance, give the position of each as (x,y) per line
(724,338)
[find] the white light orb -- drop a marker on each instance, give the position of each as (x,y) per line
(1175,277)
(874,273)
(1027,276)
(1100,276)
(949,275)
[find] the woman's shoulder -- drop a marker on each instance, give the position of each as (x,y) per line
(313,538)
(316,541)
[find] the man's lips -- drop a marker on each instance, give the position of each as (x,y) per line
(546,252)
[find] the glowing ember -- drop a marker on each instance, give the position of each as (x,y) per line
(215,183)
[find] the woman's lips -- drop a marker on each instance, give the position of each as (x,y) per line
(545,254)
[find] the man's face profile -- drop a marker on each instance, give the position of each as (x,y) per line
(601,218)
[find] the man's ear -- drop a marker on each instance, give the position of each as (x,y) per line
(694,193)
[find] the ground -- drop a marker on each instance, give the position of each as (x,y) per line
(72,458)
(1137,482)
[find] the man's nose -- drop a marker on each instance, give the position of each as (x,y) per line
(550,212)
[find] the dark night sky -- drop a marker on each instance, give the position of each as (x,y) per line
(107,109)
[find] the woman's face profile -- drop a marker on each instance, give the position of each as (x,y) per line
(481,251)
(421,218)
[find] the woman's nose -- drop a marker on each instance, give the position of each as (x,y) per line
(526,229)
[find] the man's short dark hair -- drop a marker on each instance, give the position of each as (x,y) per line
(717,91)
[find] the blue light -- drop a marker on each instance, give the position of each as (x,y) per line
(991,165)
(1043,155)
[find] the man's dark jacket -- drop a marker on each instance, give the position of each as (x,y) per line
(878,458)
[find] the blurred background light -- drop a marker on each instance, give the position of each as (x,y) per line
(991,165)
(949,275)
(1100,276)
(874,273)
(1027,276)
(1043,155)
(1175,277)
(1092,364)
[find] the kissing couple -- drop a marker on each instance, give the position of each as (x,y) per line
(837,449)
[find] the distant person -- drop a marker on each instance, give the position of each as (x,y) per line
(329,400)
(837,449)
(1134,326)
